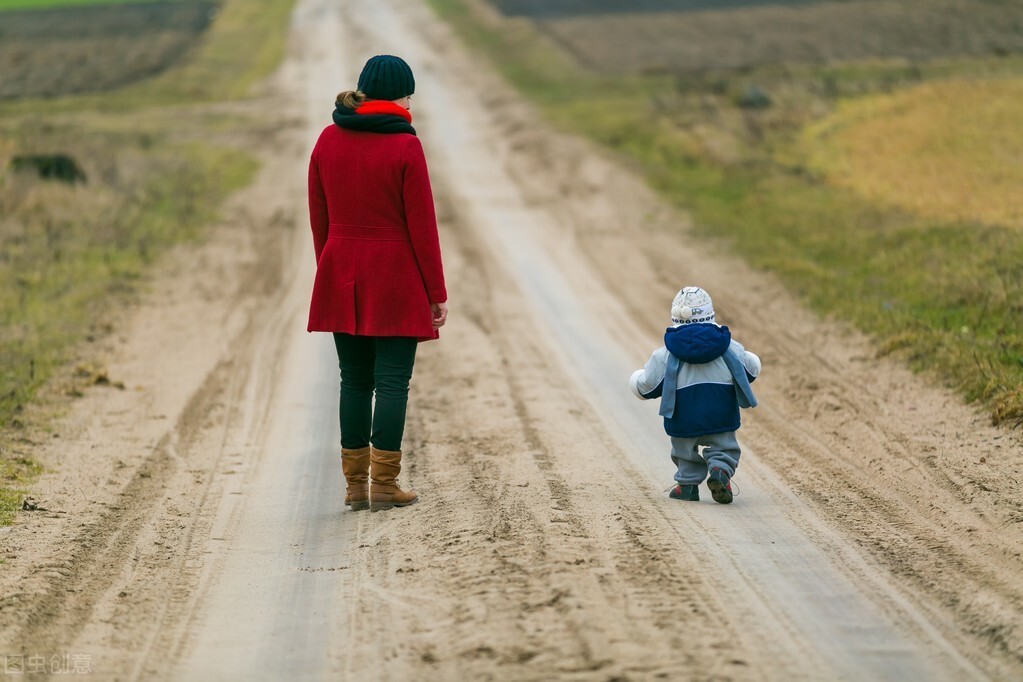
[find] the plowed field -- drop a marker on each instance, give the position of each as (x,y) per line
(66,50)
(688,35)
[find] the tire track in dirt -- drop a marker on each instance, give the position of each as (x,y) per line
(896,466)
(557,572)
(639,231)
(241,401)
(127,556)
(65,601)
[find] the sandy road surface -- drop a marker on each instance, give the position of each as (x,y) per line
(195,529)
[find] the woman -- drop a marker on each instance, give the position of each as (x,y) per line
(379,284)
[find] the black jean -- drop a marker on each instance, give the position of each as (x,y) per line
(380,365)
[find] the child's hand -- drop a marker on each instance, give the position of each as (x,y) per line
(634,384)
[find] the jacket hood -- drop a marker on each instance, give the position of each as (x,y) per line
(697,343)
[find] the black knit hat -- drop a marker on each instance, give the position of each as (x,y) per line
(386,77)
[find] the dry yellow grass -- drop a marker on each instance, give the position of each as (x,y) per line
(945,150)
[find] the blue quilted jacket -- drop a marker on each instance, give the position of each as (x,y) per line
(707,393)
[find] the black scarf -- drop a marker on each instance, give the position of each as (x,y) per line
(373,123)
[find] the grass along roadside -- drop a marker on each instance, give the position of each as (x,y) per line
(789,182)
(920,149)
(154,179)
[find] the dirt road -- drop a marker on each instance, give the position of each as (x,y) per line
(195,528)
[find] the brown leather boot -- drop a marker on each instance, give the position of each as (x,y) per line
(355,465)
(384,492)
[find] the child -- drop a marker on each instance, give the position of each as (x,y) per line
(703,377)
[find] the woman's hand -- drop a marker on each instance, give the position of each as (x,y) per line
(440,314)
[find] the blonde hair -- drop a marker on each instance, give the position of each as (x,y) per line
(350,99)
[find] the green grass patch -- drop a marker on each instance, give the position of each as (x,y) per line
(939,288)
(158,162)
(61,266)
(16,476)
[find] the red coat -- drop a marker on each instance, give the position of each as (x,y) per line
(378,263)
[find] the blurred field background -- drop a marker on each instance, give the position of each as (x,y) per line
(97,46)
(146,100)
(867,151)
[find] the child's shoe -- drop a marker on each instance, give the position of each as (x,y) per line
(720,486)
(690,493)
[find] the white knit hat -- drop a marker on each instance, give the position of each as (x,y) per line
(692,305)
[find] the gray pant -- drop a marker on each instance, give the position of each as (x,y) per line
(719,451)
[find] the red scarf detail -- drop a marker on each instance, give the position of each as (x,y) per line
(383,106)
